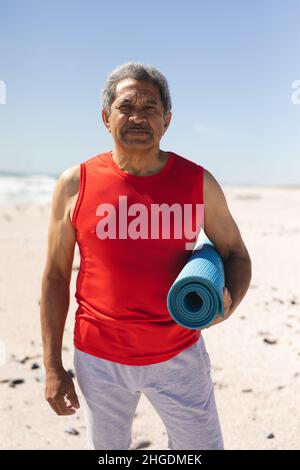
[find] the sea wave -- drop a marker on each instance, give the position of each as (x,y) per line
(26,188)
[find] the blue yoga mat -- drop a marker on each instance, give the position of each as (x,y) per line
(196,296)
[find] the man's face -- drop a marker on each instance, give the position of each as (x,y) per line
(137,115)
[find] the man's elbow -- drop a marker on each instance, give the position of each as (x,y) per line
(56,275)
(243,256)
(239,251)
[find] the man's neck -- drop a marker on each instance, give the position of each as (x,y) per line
(140,163)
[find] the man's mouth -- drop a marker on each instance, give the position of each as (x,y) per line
(137,131)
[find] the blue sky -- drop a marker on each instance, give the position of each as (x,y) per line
(230,67)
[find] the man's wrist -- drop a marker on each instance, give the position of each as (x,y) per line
(53,365)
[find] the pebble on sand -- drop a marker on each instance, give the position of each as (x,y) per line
(143,444)
(270,341)
(71,372)
(35,365)
(15,382)
(72,431)
(27,358)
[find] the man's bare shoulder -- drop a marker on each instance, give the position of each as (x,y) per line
(219,225)
(70,180)
(211,187)
(65,192)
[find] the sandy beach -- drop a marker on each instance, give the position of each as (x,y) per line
(255,355)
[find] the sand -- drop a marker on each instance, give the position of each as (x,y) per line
(255,354)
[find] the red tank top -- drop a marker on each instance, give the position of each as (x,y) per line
(126,270)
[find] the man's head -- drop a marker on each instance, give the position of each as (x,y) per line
(136,106)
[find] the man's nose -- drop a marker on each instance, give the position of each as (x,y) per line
(137,116)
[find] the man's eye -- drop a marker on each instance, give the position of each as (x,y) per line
(127,108)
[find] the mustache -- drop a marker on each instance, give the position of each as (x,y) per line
(137,128)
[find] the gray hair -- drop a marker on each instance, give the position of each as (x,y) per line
(135,71)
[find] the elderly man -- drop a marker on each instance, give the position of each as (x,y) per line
(126,342)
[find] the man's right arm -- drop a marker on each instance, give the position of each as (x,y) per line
(55,292)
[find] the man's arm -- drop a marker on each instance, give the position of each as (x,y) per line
(221,229)
(55,293)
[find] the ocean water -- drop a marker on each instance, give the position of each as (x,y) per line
(26,188)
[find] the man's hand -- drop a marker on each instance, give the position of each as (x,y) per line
(227,304)
(60,392)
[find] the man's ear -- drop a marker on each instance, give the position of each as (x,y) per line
(105,120)
(167,119)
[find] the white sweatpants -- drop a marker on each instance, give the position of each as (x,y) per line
(180,389)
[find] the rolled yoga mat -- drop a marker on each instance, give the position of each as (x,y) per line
(196,296)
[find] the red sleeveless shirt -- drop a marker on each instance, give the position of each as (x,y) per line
(127,268)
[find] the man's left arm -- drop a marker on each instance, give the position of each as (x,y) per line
(222,230)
